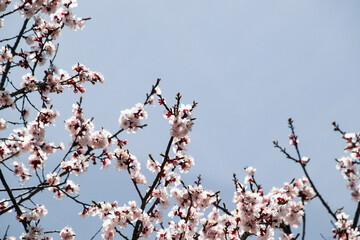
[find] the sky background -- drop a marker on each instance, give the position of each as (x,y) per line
(249,64)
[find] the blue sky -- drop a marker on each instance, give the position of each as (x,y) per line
(250,64)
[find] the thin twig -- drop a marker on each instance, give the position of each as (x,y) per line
(96,234)
(13,51)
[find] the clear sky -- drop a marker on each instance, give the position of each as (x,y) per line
(250,64)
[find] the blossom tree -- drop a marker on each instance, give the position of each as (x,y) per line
(166,207)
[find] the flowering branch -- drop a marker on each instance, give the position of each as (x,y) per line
(13,49)
(294,141)
(15,204)
(137,228)
(196,213)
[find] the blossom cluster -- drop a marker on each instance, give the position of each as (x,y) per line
(130,119)
(180,121)
(193,212)
(30,139)
(344,228)
(35,231)
(55,80)
(43,49)
(5,99)
(113,215)
(127,161)
(59,11)
(259,214)
(82,131)
(347,165)
(191,203)
(5,55)
(84,140)
(34,46)
(35,213)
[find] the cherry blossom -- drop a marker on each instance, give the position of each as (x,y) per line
(100,139)
(67,233)
(3,124)
(35,214)
(130,119)
(21,171)
(250,171)
(167,207)
(344,228)
(5,53)
(4,4)
(5,99)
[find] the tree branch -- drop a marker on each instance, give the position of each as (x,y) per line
(13,52)
(15,204)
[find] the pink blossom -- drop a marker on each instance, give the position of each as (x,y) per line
(28,82)
(151,101)
(3,4)
(21,171)
(137,176)
(36,131)
(180,144)
(148,228)
(304,160)
(163,196)
(250,171)
(180,126)
(30,39)
(52,179)
(108,228)
(153,166)
(3,204)
(36,161)
(100,139)
(3,124)
(123,159)
(47,116)
(50,48)
(5,99)
(157,91)
(5,53)
(78,163)
(35,214)
(33,232)
(186,163)
(71,187)
(67,233)
(130,119)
